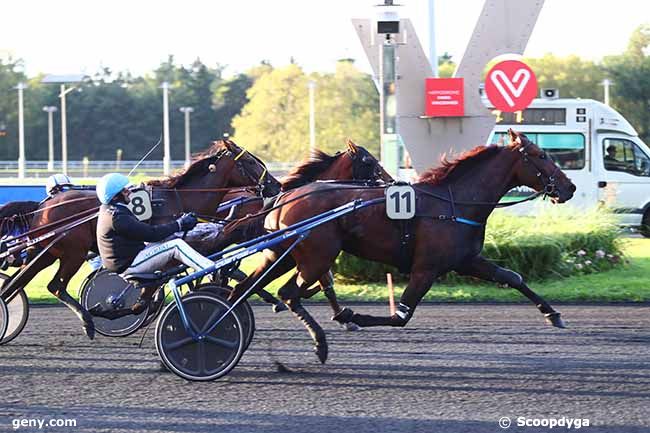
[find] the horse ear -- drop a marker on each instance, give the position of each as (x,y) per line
(514,136)
(353,147)
(212,168)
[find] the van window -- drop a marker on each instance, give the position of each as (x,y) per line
(624,155)
(566,149)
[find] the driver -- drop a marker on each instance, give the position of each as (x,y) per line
(121,236)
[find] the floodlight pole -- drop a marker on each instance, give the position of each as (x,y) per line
(50,136)
(21,131)
(187,111)
(166,151)
(64,129)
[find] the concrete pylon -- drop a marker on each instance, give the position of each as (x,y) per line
(503,27)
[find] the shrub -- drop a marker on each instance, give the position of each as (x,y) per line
(558,242)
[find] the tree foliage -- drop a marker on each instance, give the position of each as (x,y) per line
(275,121)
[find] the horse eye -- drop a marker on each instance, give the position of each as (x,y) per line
(543,156)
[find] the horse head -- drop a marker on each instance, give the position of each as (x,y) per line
(537,170)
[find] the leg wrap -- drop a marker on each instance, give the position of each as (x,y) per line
(402,315)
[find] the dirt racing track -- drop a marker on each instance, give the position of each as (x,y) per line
(455,368)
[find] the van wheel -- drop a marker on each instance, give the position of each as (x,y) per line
(645,224)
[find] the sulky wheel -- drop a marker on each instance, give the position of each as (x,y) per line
(244,311)
(18,311)
(101,289)
(206,358)
(4,318)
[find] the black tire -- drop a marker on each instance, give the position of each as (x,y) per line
(645,224)
(199,360)
(18,313)
(244,311)
(102,285)
(4,318)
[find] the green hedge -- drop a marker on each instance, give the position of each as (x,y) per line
(556,243)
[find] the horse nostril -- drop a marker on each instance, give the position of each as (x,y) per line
(573,188)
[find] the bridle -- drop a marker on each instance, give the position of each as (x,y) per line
(550,187)
(263,180)
(360,165)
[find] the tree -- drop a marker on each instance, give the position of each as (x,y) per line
(573,76)
(275,121)
(630,72)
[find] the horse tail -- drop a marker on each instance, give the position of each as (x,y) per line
(18,207)
(16,216)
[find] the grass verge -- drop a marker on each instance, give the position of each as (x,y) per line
(628,283)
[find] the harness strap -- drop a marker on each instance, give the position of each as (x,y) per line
(404,252)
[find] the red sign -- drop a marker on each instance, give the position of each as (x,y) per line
(444,97)
(511,86)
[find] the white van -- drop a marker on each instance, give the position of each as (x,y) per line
(597,149)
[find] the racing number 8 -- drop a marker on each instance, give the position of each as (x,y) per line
(400,202)
(138,208)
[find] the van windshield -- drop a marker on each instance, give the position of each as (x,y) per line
(567,148)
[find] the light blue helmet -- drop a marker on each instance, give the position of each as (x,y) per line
(110,185)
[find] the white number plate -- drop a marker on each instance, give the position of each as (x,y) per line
(400,202)
(140,204)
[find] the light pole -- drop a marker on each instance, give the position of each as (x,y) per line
(187,111)
(21,131)
(312,116)
(166,157)
(606,83)
(50,110)
(433,57)
(62,80)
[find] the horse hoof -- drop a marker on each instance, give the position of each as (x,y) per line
(89,330)
(321,351)
(554,319)
(351,326)
(344,316)
(279,307)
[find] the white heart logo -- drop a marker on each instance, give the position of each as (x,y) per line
(499,78)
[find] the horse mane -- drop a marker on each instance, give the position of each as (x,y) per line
(17,207)
(175,179)
(458,166)
(307,171)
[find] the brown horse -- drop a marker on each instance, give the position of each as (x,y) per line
(465,190)
(199,188)
(356,163)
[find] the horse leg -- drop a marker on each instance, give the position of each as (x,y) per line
(326,284)
(418,285)
(290,294)
(480,267)
(68,266)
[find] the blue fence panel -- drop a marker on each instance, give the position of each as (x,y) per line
(21,193)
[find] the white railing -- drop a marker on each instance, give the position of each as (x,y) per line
(39,169)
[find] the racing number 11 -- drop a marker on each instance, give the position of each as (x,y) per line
(400,202)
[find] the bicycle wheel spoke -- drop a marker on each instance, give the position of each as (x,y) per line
(221,342)
(213,318)
(180,343)
(201,354)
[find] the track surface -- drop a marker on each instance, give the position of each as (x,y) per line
(455,368)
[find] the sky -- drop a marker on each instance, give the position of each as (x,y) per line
(73,36)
